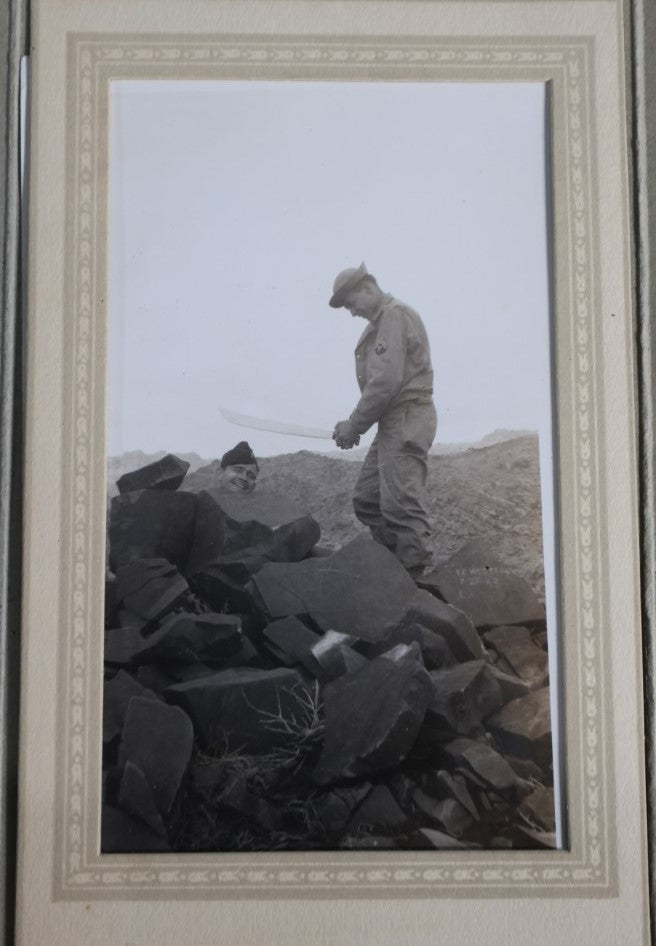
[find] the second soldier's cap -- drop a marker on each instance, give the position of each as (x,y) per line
(345,281)
(241,454)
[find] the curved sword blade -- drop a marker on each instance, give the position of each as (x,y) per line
(275,426)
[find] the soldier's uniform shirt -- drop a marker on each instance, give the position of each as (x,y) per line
(392,363)
(394,373)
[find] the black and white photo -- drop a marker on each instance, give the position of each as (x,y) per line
(331,610)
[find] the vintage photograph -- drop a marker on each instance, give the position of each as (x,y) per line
(332,600)
(331,606)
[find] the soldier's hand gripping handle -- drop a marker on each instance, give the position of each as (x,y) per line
(345,435)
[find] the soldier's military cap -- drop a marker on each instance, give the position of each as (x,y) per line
(345,281)
(241,454)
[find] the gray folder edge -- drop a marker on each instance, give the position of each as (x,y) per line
(13,45)
(642,115)
(641,81)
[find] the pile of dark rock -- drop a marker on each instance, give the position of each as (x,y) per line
(263,693)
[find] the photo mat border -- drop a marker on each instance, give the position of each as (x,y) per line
(588,867)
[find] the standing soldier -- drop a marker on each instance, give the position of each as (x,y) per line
(393,368)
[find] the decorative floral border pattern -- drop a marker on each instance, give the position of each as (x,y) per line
(80,871)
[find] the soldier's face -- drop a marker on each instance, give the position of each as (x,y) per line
(240,478)
(362,301)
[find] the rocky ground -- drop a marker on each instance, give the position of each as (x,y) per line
(491,493)
(275,680)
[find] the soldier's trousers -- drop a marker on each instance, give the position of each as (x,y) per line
(389,495)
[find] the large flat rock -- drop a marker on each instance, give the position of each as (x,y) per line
(192,638)
(242,708)
(379,811)
(335,656)
(451,624)
(239,798)
(512,687)
(151,523)
(117,694)
(110,599)
(221,584)
(435,651)
(482,762)
(533,838)
(361,590)
(250,527)
(165,474)
(486,589)
(463,696)
(439,840)
(295,641)
(335,807)
(154,679)
(136,798)
(120,833)
(128,620)
(246,656)
(445,785)
(157,739)
(523,727)
(121,644)
(539,809)
(149,588)
(515,645)
(447,813)
(373,716)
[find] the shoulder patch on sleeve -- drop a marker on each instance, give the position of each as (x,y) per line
(381,346)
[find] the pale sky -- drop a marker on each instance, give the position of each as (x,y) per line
(233,206)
